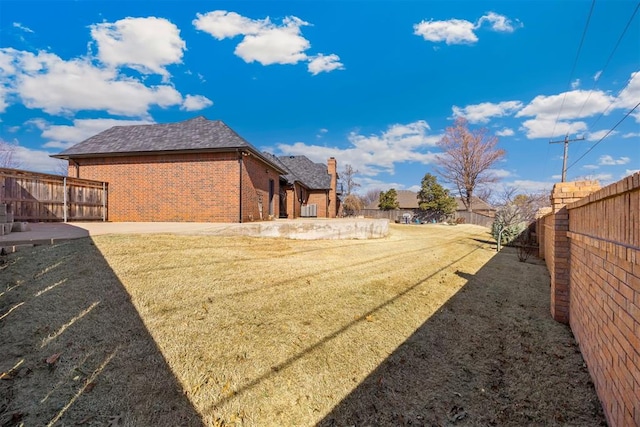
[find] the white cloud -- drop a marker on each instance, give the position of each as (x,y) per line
(481,113)
(321,63)
(629,172)
(461,31)
(630,95)
(505,132)
(552,113)
(498,22)
(45,81)
(608,160)
(24,28)
(321,132)
(37,160)
(275,45)
(64,136)
(631,135)
(575,84)
(544,128)
(222,24)
(453,31)
(195,103)
(591,167)
(265,42)
(574,104)
(597,75)
(598,135)
(499,173)
(3,99)
(374,154)
(529,186)
(144,44)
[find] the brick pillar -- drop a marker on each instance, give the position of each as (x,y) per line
(332,169)
(563,194)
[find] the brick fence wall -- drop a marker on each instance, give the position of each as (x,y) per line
(591,244)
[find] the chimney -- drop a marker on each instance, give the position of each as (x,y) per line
(332,169)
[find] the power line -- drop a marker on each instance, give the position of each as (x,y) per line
(633,15)
(575,62)
(606,135)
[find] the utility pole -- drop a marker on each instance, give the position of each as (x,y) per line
(566,153)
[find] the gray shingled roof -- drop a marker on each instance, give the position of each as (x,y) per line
(407,199)
(194,134)
(314,176)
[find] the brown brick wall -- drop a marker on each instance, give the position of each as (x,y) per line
(595,257)
(332,202)
(320,198)
(255,186)
(604,235)
(180,187)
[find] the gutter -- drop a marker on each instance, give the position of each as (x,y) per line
(240,155)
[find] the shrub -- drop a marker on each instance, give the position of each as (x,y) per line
(509,232)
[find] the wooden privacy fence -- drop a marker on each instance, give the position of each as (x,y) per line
(33,197)
(475,218)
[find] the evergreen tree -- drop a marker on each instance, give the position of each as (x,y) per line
(388,200)
(434,198)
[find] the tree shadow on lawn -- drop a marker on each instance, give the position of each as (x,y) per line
(492,355)
(73,349)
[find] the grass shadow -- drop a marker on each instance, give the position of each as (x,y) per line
(491,355)
(74,349)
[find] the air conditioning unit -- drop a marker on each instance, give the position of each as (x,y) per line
(309,211)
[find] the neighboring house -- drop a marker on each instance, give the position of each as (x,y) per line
(478,206)
(198,170)
(407,208)
(482,214)
(307,189)
(407,200)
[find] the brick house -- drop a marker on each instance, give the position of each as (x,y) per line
(308,189)
(197,170)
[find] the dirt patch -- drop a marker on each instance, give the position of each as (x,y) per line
(426,327)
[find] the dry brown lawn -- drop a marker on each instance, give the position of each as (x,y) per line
(426,327)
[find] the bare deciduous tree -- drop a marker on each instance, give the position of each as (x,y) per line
(347,176)
(7,155)
(485,193)
(62,168)
(468,156)
(516,211)
(371,196)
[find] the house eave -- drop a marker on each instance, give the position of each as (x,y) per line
(253,152)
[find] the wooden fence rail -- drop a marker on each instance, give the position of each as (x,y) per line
(33,197)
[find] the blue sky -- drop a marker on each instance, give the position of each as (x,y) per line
(373,83)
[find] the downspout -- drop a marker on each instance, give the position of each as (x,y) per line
(328,203)
(240,185)
(65,201)
(104,201)
(76,167)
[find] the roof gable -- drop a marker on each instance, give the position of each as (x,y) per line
(195,134)
(314,176)
(477,204)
